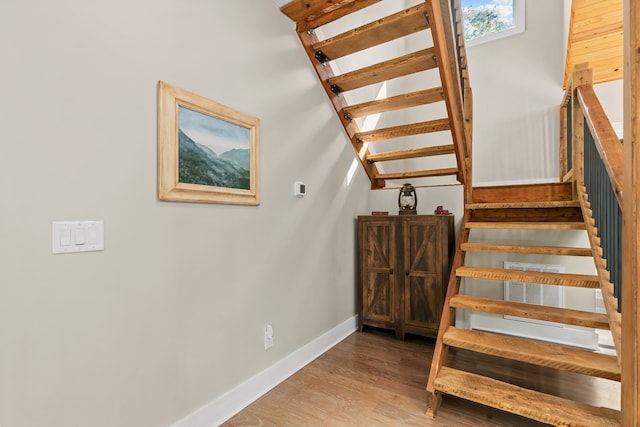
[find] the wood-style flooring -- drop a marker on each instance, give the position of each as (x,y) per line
(372,379)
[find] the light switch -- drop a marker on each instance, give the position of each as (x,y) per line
(80,235)
(65,236)
(77,236)
(92,234)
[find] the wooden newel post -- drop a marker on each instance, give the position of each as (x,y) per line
(630,360)
(582,75)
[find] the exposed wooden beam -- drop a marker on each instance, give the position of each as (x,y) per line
(631,227)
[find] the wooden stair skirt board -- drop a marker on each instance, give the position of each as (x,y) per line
(545,278)
(566,316)
(538,353)
(528,403)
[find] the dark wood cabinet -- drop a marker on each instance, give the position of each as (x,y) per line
(404,270)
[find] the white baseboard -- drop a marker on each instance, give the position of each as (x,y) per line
(218,411)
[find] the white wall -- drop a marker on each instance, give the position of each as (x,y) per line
(171,315)
(610,95)
(517,90)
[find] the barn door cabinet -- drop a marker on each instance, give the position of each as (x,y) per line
(404,271)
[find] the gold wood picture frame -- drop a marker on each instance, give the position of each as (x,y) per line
(207,152)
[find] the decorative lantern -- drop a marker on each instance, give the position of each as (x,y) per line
(407,200)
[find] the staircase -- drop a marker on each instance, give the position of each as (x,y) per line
(398,82)
(405,106)
(544,207)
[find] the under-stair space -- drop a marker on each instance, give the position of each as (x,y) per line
(552,230)
(388,73)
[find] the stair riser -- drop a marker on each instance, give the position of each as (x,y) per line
(572,214)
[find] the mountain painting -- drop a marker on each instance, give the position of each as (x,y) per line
(212,151)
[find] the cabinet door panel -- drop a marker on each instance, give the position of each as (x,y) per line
(423,302)
(422,247)
(378,260)
(423,255)
(378,297)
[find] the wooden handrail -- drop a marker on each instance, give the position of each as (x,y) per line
(604,137)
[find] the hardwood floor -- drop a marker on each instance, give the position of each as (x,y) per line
(372,379)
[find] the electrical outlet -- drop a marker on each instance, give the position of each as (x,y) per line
(268,337)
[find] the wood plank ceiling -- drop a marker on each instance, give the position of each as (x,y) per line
(596,36)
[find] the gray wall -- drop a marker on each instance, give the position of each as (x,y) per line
(171,315)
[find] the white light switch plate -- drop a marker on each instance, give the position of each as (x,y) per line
(77,236)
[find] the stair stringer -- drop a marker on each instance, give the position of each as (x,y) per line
(610,301)
(448,319)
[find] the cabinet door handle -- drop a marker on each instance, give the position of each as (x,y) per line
(391,271)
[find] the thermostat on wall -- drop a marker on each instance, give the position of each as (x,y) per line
(299,188)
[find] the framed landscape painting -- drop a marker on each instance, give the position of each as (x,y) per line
(207,152)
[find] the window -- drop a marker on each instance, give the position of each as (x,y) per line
(486,20)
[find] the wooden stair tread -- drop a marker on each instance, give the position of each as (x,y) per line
(398,102)
(411,153)
(527,249)
(528,403)
(526,225)
(566,316)
(535,352)
(309,14)
(438,125)
(386,70)
(546,278)
(522,205)
(418,174)
(394,26)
